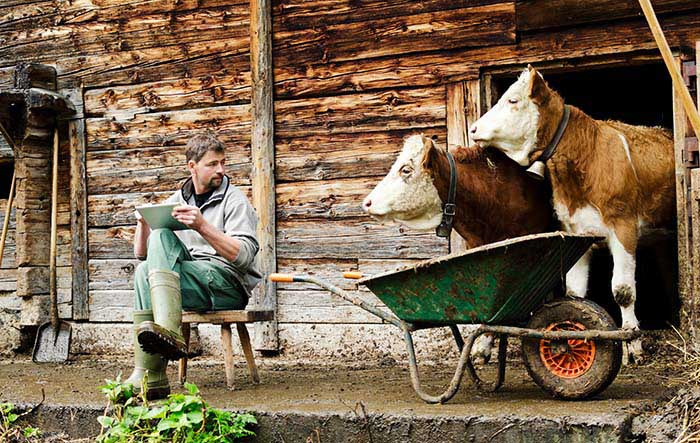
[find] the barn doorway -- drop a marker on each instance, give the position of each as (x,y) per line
(640,95)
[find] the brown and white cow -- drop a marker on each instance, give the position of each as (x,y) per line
(608,178)
(495,199)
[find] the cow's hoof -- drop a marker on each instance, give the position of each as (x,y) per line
(633,354)
(481,351)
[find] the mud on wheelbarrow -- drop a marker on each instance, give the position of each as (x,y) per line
(571,347)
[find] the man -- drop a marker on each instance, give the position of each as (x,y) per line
(207,267)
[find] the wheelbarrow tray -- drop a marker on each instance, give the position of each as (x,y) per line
(496,284)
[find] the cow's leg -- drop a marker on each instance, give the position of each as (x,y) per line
(577,277)
(482,348)
(623,245)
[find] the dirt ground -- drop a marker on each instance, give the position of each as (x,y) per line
(295,397)
(315,388)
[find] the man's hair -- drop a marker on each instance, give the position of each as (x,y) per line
(202,143)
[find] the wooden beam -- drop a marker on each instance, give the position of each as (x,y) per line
(263,162)
(673,68)
(78,219)
(683,208)
(456,136)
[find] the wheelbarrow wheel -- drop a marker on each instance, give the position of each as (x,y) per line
(572,369)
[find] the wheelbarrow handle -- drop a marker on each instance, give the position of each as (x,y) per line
(284,278)
(354,275)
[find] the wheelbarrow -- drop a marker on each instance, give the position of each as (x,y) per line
(571,347)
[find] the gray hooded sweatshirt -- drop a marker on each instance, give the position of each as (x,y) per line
(230,212)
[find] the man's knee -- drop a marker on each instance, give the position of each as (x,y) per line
(161,237)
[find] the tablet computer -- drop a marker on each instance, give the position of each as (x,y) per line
(160,216)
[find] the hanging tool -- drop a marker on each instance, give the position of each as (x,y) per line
(53,338)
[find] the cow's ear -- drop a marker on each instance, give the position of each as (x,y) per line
(428,147)
(539,91)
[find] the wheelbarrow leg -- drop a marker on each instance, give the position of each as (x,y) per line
(478,382)
(458,337)
(456,379)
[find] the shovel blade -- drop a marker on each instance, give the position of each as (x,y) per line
(52,344)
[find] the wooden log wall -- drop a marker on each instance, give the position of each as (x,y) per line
(352,79)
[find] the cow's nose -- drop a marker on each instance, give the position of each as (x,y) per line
(473,129)
(367,203)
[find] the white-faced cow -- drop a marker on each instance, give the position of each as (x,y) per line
(495,199)
(608,178)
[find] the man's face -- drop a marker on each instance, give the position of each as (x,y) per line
(208,172)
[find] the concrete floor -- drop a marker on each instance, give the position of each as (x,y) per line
(351,403)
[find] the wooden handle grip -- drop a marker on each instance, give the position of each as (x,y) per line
(353,275)
(281,277)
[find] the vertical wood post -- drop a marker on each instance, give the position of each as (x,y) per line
(263,161)
(465,104)
(78,219)
(683,211)
(456,136)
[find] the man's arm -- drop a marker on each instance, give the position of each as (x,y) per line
(141,238)
(226,246)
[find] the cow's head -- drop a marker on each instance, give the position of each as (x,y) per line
(407,194)
(520,124)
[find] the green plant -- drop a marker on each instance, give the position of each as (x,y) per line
(10,431)
(185,418)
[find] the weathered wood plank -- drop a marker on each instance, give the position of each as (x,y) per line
(113,274)
(301,14)
(690,306)
(369,112)
(162,179)
(456,97)
(335,200)
(424,69)
(289,300)
(78,219)
(327,314)
(585,43)
(329,270)
(685,289)
(111,305)
(338,156)
(263,164)
(152,64)
(354,239)
(306,239)
(467,27)
(544,14)
(210,90)
(21,14)
(138,33)
(231,123)
(118,209)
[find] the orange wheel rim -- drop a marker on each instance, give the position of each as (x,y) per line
(571,360)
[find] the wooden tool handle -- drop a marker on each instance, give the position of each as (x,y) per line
(281,277)
(672,67)
(52,250)
(6,222)
(353,275)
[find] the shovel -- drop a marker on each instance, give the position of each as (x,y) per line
(53,338)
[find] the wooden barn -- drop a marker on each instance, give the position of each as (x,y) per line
(313,99)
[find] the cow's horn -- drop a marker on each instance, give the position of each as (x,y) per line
(536,170)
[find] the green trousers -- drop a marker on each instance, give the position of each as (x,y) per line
(205,285)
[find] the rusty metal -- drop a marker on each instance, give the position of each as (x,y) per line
(494,287)
(500,283)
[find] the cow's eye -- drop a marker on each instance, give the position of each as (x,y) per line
(406,170)
(512,101)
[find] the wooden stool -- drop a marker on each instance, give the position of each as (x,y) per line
(225,319)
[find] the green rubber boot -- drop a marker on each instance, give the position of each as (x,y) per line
(163,335)
(154,365)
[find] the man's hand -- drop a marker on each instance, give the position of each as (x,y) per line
(189,216)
